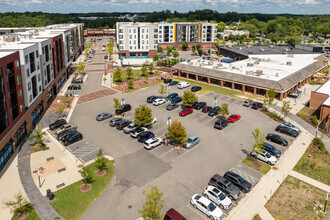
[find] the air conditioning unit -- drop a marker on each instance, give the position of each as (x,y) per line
(250,64)
(289,63)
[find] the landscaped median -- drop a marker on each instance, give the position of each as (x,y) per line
(256,164)
(71,202)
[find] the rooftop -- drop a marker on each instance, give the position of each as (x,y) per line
(325,89)
(5,53)
(16,46)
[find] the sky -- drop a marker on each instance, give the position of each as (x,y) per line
(240,6)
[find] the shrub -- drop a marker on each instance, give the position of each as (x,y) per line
(316,141)
(314,120)
(321,146)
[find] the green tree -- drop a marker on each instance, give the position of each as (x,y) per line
(259,139)
(221,26)
(156,58)
(151,68)
(129,73)
(184,45)
(193,48)
(270,99)
(286,108)
(19,204)
(224,110)
(189,98)
(160,49)
(177,132)
(60,110)
(169,49)
(198,46)
(117,75)
(143,115)
(144,71)
(292,40)
(130,83)
(81,68)
(152,207)
(101,163)
(67,100)
(37,135)
(200,52)
(117,104)
(175,53)
(162,90)
(110,49)
(217,43)
(86,177)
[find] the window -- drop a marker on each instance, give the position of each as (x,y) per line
(27,72)
(155,36)
(17,64)
(121,42)
(142,48)
(171,27)
(143,31)
(18,78)
(121,36)
(134,31)
(134,36)
(121,30)
(155,30)
(130,42)
(51,66)
(29,86)
(26,59)
(30,99)
(21,107)
(142,41)
(38,77)
(39,88)
(142,36)
(160,32)
(20,93)
(130,47)
(147,47)
(37,53)
(129,30)
(147,36)
(171,32)
(130,36)
(134,42)
(121,47)
(43,50)
(160,27)
(38,65)
(155,41)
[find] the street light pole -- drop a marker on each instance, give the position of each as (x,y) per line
(39,177)
(326,201)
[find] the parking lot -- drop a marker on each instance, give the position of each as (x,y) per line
(179,173)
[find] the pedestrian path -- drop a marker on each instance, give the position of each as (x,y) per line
(96,95)
(310,181)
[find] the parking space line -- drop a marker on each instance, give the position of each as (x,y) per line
(192,208)
(243,174)
(183,154)
(166,152)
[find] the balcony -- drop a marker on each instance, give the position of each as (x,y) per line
(10,73)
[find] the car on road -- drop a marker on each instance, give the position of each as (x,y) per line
(289,125)
(150,99)
(199,105)
(124,108)
(113,122)
(206,109)
(186,111)
(157,102)
(215,195)
(272,150)
(77,80)
(172,214)
(137,131)
(173,83)
(72,138)
(276,139)
(191,141)
(172,106)
(56,124)
(221,123)
(172,96)
(130,128)
(176,100)
(196,88)
(74,87)
(122,124)
(247,103)
(183,85)
(264,156)
(238,181)
(214,111)
(287,130)
(103,116)
(152,143)
(206,206)
(142,137)
(257,105)
(233,118)
(225,186)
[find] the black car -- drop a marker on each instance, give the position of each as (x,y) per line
(66,133)
(214,111)
(196,88)
(277,139)
(150,99)
(167,80)
(286,130)
(142,137)
(124,108)
(221,123)
(199,105)
(58,123)
(122,124)
(272,150)
(105,57)
(172,96)
(72,138)
(172,106)
(226,186)
(78,80)
(257,105)
(238,181)
(173,83)
(74,87)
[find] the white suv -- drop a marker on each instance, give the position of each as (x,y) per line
(206,206)
(215,195)
(264,156)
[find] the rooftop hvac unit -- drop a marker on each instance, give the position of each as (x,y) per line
(256,62)
(233,67)
(249,72)
(286,49)
(249,52)
(271,46)
(259,71)
(250,64)
(276,74)
(262,49)
(289,63)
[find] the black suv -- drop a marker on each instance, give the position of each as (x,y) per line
(124,108)
(221,123)
(238,181)
(58,123)
(196,88)
(77,80)
(214,111)
(63,134)
(199,105)
(272,150)
(150,99)
(77,136)
(286,130)
(277,139)
(257,105)
(120,125)
(226,186)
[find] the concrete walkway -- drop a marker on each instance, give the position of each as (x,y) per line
(310,181)
(40,203)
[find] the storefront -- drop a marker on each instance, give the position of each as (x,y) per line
(37,112)
(20,135)
(61,82)
(5,154)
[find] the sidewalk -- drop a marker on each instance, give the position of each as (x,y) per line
(310,181)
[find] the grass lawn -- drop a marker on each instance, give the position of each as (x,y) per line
(295,199)
(71,203)
(32,216)
(136,74)
(256,164)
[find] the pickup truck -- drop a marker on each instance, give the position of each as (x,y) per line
(264,156)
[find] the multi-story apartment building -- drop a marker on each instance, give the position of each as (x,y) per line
(138,39)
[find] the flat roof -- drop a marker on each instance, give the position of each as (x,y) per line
(325,89)
(16,46)
(6,53)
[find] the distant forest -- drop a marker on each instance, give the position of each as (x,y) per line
(276,25)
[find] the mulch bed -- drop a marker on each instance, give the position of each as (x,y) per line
(85,187)
(100,172)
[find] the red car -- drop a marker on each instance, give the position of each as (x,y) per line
(186,111)
(233,118)
(205,109)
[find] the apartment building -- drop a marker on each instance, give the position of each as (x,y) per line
(142,39)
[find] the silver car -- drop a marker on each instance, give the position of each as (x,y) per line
(130,128)
(289,125)
(115,121)
(248,103)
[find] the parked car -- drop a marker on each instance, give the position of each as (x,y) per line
(289,125)
(74,87)
(157,102)
(287,130)
(172,214)
(167,80)
(196,88)
(172,106)
(150,99)
(191,141)
(172,96)
(62,134)
(199,105)
(176,100)
(214,111)
(114,121)
(103,116)
(152,143)
(238,181)
(225,186)
(56,124)
(257,105)
(124,108)
(264,156)
(65,127)
(215,195)
(206,109)
(186,111)
(77,80)
(105,57)
(272,150)
(130,128)
(183,85)
(72,139)
(153,121)
(221,123)
(173,83)
(142,137)
(247,103)
(122,124)
(138,131)
(206,206)
(233,118)
(277,139)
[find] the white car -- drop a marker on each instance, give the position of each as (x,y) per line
(206,206)
(159,102)
(264,156)
(183,85)
(137,131)
(289,125)
(215,195)
(152,143)
(103,48)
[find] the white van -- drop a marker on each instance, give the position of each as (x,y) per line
(182,85)
(103,48)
